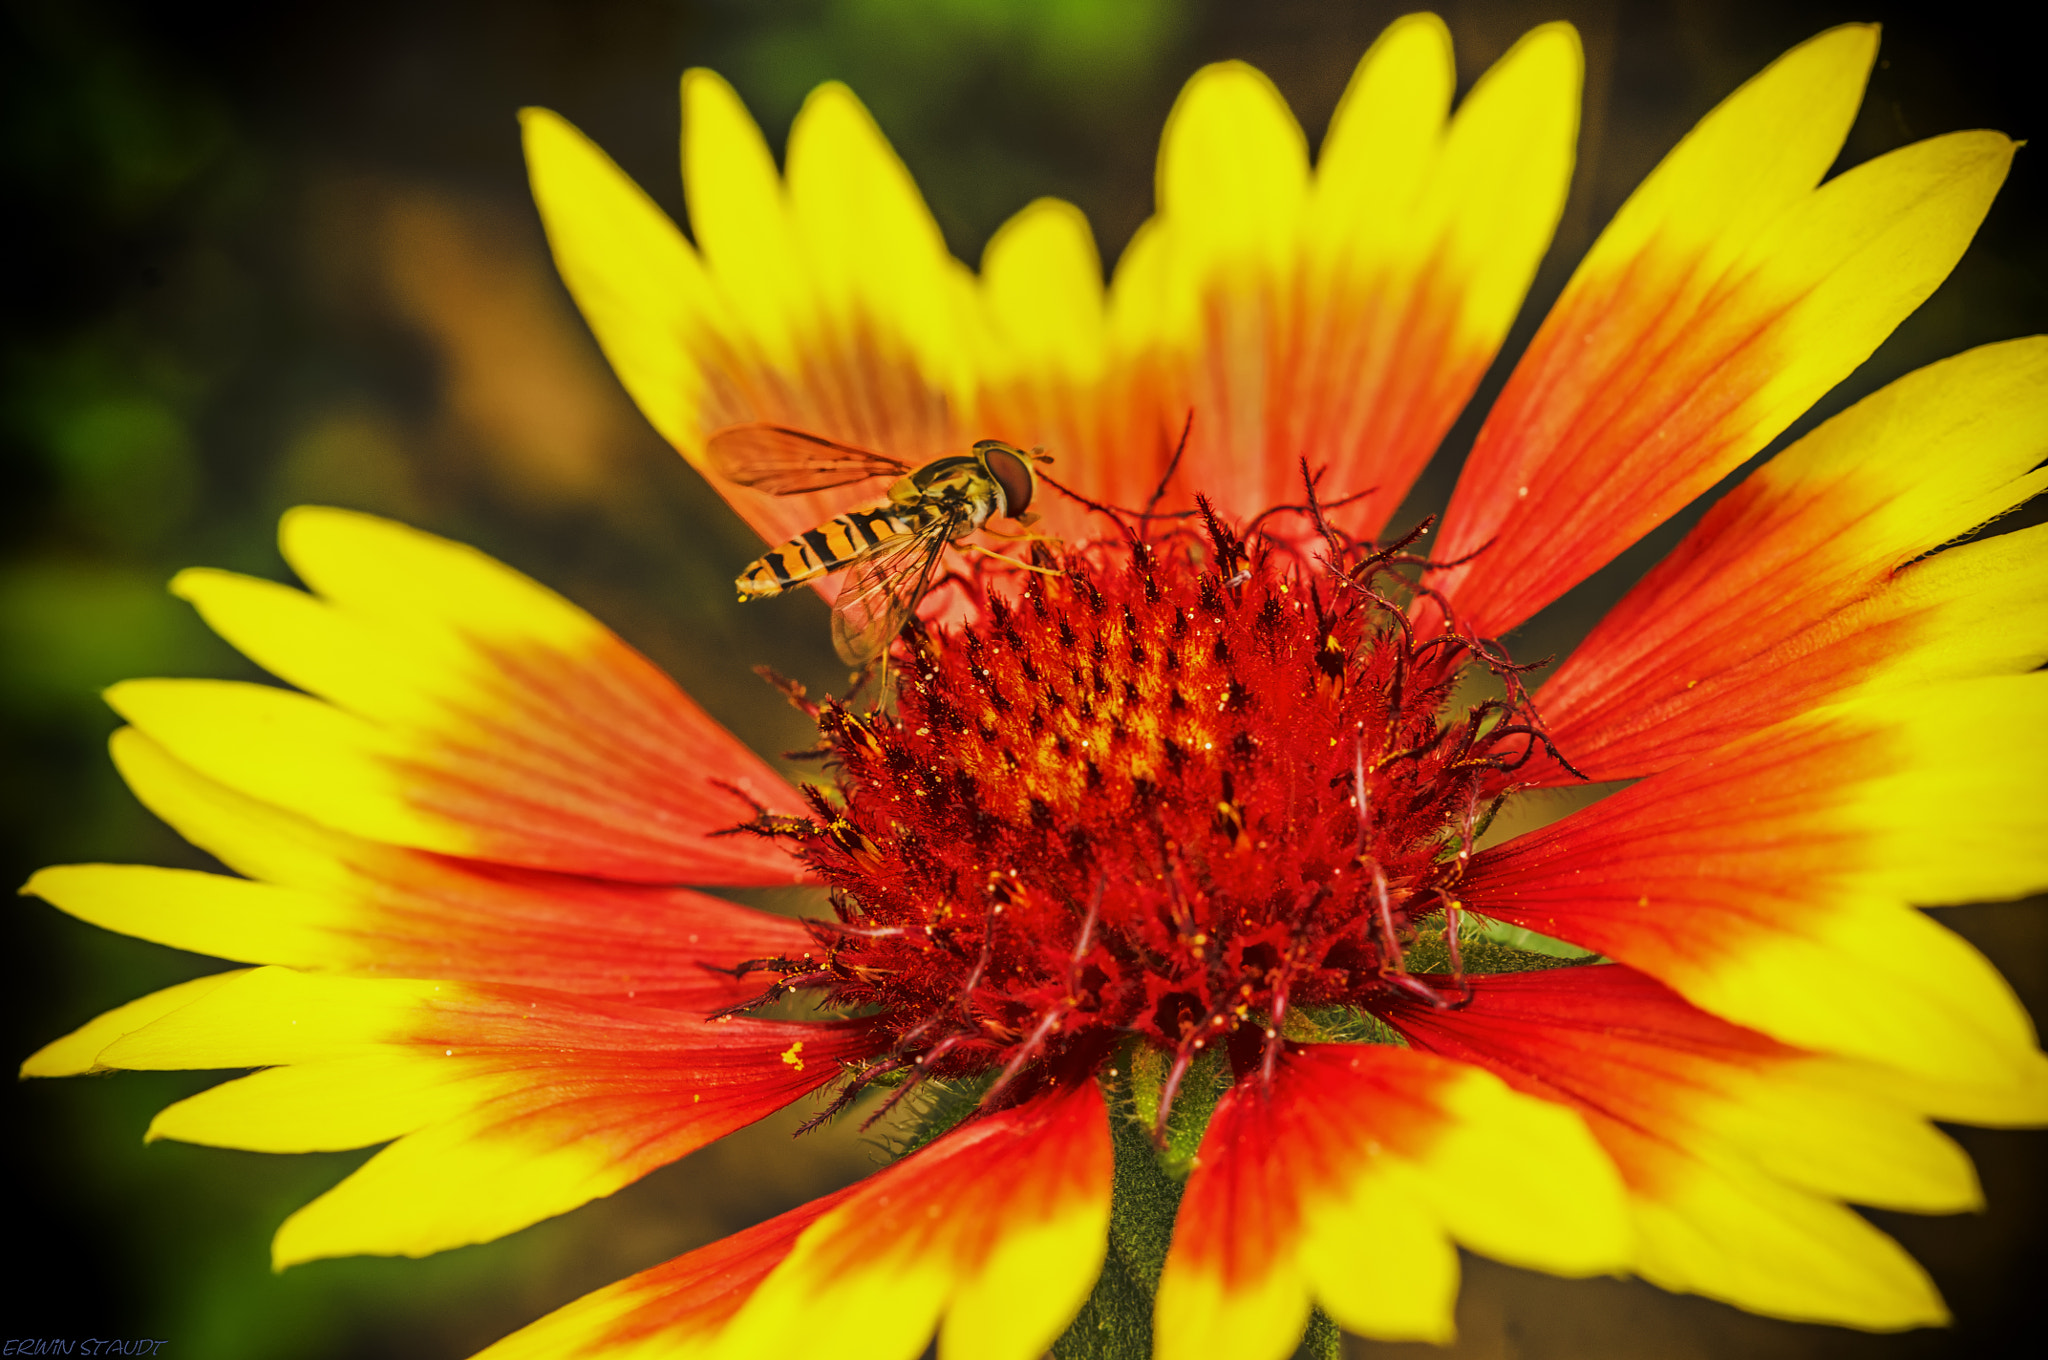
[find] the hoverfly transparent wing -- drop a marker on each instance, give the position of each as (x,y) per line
(882,592)
(784,462)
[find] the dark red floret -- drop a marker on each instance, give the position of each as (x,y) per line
(1169,791)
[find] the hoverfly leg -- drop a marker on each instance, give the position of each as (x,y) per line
(1005,557)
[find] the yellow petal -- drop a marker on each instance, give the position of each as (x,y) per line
(1772,881)
(331,902)
(1760,151)
(629,269)
(339,1103)
(289,749)
(740,215)
(251,837)
(229,918)
(1233,172)
(79,1050)
(1043,283)
(1732,1147)
(471,711)
(1344,318)
(877,252)
(1000,1227)
(1396,1280)
(1732,1234)
(674,1311)
(1347,1181)
(1801,587)
(508,1104)
(275,1015)
(1383,138)
(1721,303)
(1865,250)
(1841,1130)
(1487,213)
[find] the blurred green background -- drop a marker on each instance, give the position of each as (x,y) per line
(276,254)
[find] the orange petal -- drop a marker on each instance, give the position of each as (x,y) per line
(1801,585)
(325,901)
(1734,1148)
(1348,1182)
(840,311)
(822,300)
(674,1311)
(1770,880)
(508,1104)
(1344,317)
(1000,1227)
(468,710)
(1726,296)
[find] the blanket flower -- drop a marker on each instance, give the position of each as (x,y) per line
(1161,901)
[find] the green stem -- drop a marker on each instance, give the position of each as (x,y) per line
(1116,1322)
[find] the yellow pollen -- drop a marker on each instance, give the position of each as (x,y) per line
(793,1055)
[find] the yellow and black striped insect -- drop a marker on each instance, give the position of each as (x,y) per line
(894,544)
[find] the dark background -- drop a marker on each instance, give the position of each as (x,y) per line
(267,255)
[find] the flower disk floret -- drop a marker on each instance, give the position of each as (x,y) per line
(1169,792)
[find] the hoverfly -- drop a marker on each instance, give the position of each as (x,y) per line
(894,544)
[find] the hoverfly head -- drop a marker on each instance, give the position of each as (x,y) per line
(1011,469)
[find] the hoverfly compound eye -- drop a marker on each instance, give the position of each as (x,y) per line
(1012,472)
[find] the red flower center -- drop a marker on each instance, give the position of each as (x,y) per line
(1171,791)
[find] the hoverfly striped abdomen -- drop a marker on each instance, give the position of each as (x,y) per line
(838,542)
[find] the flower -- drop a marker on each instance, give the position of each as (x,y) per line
(1160,894)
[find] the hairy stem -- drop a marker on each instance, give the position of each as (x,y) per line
(1116,1322)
